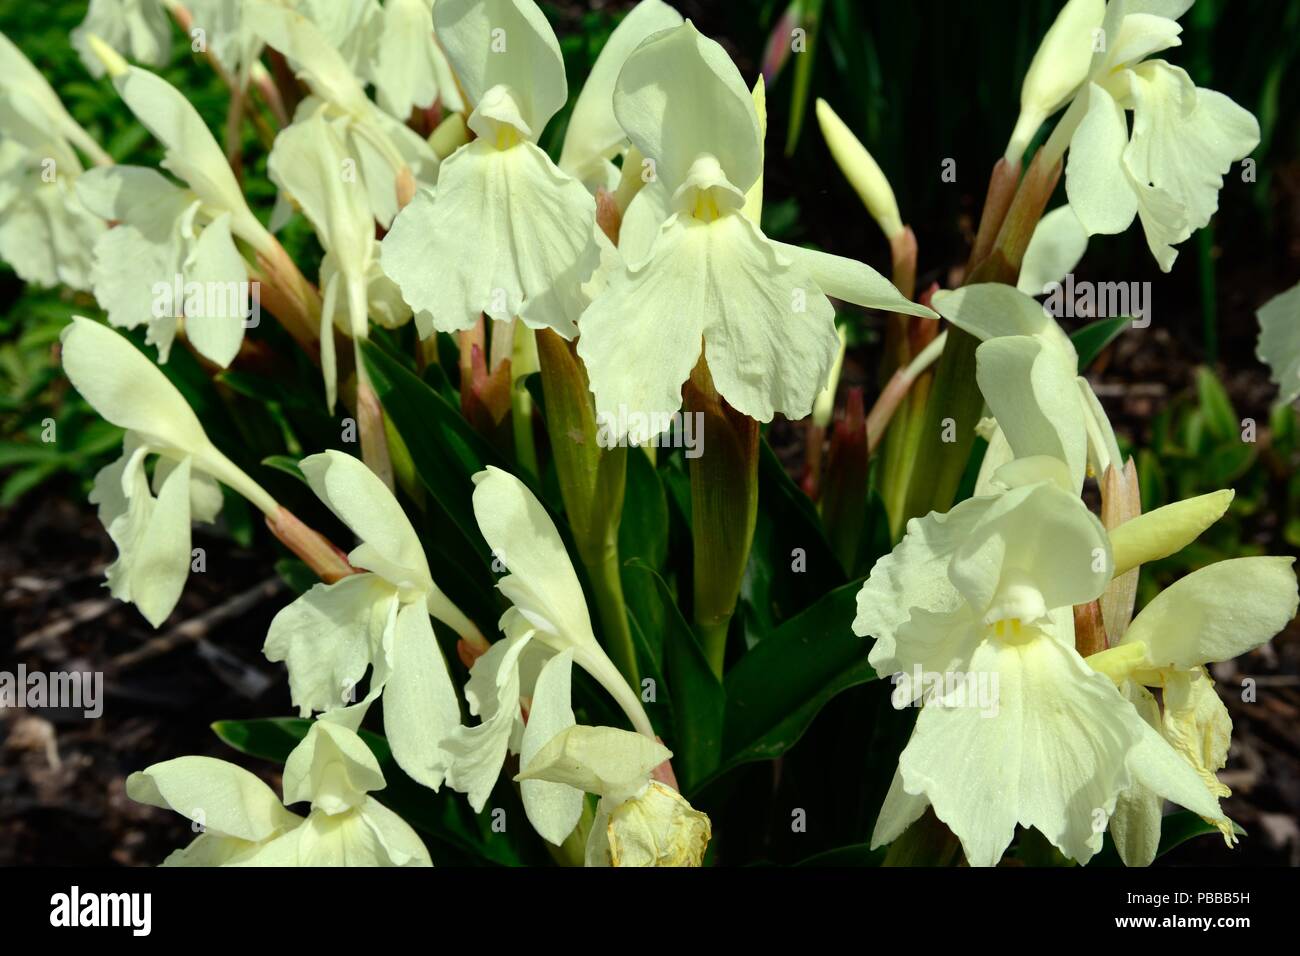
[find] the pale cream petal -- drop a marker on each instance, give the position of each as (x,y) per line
(220,796)
(680,96)
(852,281)
(127,389)
(390,546)
(325,638)
(1217,612)
(505,233)
(1095,182)
(552,808)
(1197,725)
(1167,530)
(1035,549)
(1058,243)
(1030,390)
(542,583)
(214,265)
(899,811)
(1279,342)
(1135,824)
(593,133)
(504,43)
(331,768)
(603,760)
(1054,757)
(191,151)
(477,753)
(420,705)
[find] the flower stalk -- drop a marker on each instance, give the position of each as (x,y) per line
(724,509)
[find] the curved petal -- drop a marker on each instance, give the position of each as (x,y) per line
(603,760)
(152,535)
(1217,612)
(679,96)
(553,808)
(593,133)
(504,43)
(1184,140)
(220,796)
(215,267)
(332,768)
(127,389)
(1030,390)
(1095,182)
(1165,531)
(191,151)
(1058,243)
(390,546)
(853,281)
(542,583)
(899,811)
(914,577)
(1279,342)
(989,310)
(477,753)
(420,705)
(315,59)
(402,846)
(1034,550)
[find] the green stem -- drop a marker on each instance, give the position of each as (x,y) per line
(607,587)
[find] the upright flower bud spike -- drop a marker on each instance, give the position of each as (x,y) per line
(861,170)
(1060,64)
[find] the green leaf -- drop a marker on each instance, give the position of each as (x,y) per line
(791,564)
(271,738)
(859,854)
(643,530)
(1090,340)
(1177,828)
(1216,408)
(777,688)
(285,464)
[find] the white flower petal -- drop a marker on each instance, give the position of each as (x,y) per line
(680,96)
(504,43)
(511,234)
(1095,182)
(420,705)
(593,134)
(1053,757)
(1279,342)
(326,639)
(552,808)
(1058,243)
(1217,612)
(220,796)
